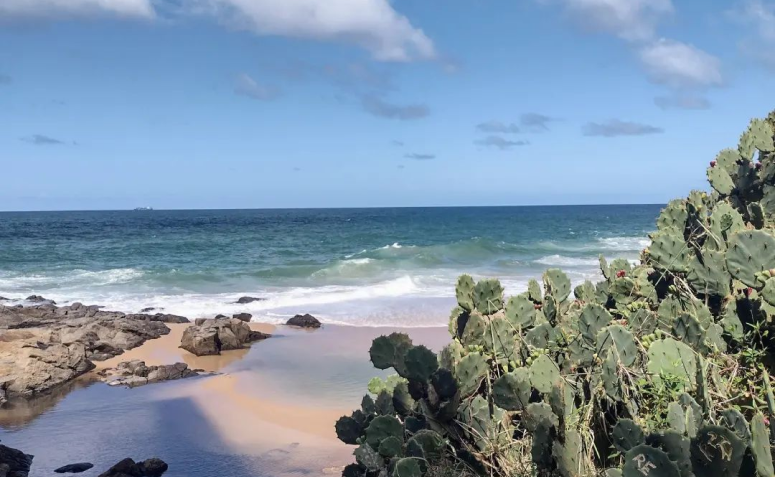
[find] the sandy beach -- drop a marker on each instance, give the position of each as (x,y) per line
(266,410)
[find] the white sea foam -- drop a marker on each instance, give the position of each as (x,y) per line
(563,261)
(395,245)
(624,244)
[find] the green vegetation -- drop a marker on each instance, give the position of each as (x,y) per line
(661,369)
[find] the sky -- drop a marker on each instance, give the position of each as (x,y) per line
(115,104)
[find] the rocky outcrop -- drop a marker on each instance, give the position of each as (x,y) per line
(200,321)
(14,463)
(160,317)
(135,373)
(129,468)
(243,317)
(214,336)
(304,321)
(248,299)
(74,468)
(39,299)
(44,346)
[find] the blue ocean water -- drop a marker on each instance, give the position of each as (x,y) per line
(362,267)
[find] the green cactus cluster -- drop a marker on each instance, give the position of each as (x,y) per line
(660,369)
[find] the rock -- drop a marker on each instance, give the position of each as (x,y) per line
(304,321)
(248,299)
(2,298)
(214,336)
(14,463)
(146,310)
(135,373)
(218,317)
(200,321)
(160,317)
(129,468)
(243,317)
(44,346)
(74,468)
(39,299)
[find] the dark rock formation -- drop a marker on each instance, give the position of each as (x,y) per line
(129,468)
(39,299)
(14,463)
(248,299)
(146,310)
(304,321)
(74,468)
(214,336)
(218,317)
(135,373)
(243,317)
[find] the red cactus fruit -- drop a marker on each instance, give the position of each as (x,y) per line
(620,274)
(748,291)
(758,165)
(712,163)
(537,306)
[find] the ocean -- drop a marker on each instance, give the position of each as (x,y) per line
(361,267)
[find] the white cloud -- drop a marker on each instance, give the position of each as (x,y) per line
(247,86)
(371,24)
(631,20)
(680,65)
(760,44)
(31,9)
(681,101)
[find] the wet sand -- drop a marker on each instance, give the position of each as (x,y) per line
(270,410)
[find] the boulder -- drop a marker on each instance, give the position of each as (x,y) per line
(39,299)
(146,310)
(14,463)
(129,468)
(214,336)
(243,317)
(135,373)
(248,299)
(74,468)
(304,321)
(200,321)
(218,317)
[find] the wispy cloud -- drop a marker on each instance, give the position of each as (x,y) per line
(680,65)
(499,142)
(5,79)
(617,127)
(681,101)
(397,143)
(380,108)
(373,25)
(759,45)
(54,9)
(536,121)
(420,157)
(43,140)
(498,127)
(247,86)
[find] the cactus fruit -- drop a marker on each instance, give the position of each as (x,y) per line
(388,351)
(673,358)
(543,374)
(760,446)
(469,373)
(645,460)
(488,296)
(512,390)
(464,292)
(626,434)
(717,451)
(420,363)
(750,252)
(520,311)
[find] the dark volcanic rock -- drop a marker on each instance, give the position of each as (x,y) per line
(146,310)
(249,299)
(39,299)
(129,468)
(74,468)
(214,336)
(14,463)
(304,321)
(243,317)
(135,373)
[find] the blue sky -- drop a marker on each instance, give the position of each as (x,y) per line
(112,104)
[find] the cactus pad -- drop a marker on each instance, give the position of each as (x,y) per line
(407,467)
(348,430)
(673,358)
(750,252)
(627,434)
(673,217)
(645,460)
(686,328)
(381,428)
(734,420)
(708,273)
(512,390)
(557,284)
(488,296)
(544,373)
(760,446)
(668,251)
(430,442)
(403,402)
(534,291)
(464,292)
(720,180)
(593,319)
(469,373)
(717,451)
(473,334)
(369,458)
(390,447)
(420,363)
(388,351)
(539,412)
(620,342)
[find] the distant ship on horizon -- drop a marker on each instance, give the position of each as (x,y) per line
(143,208)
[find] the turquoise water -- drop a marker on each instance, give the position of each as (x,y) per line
(362,267)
